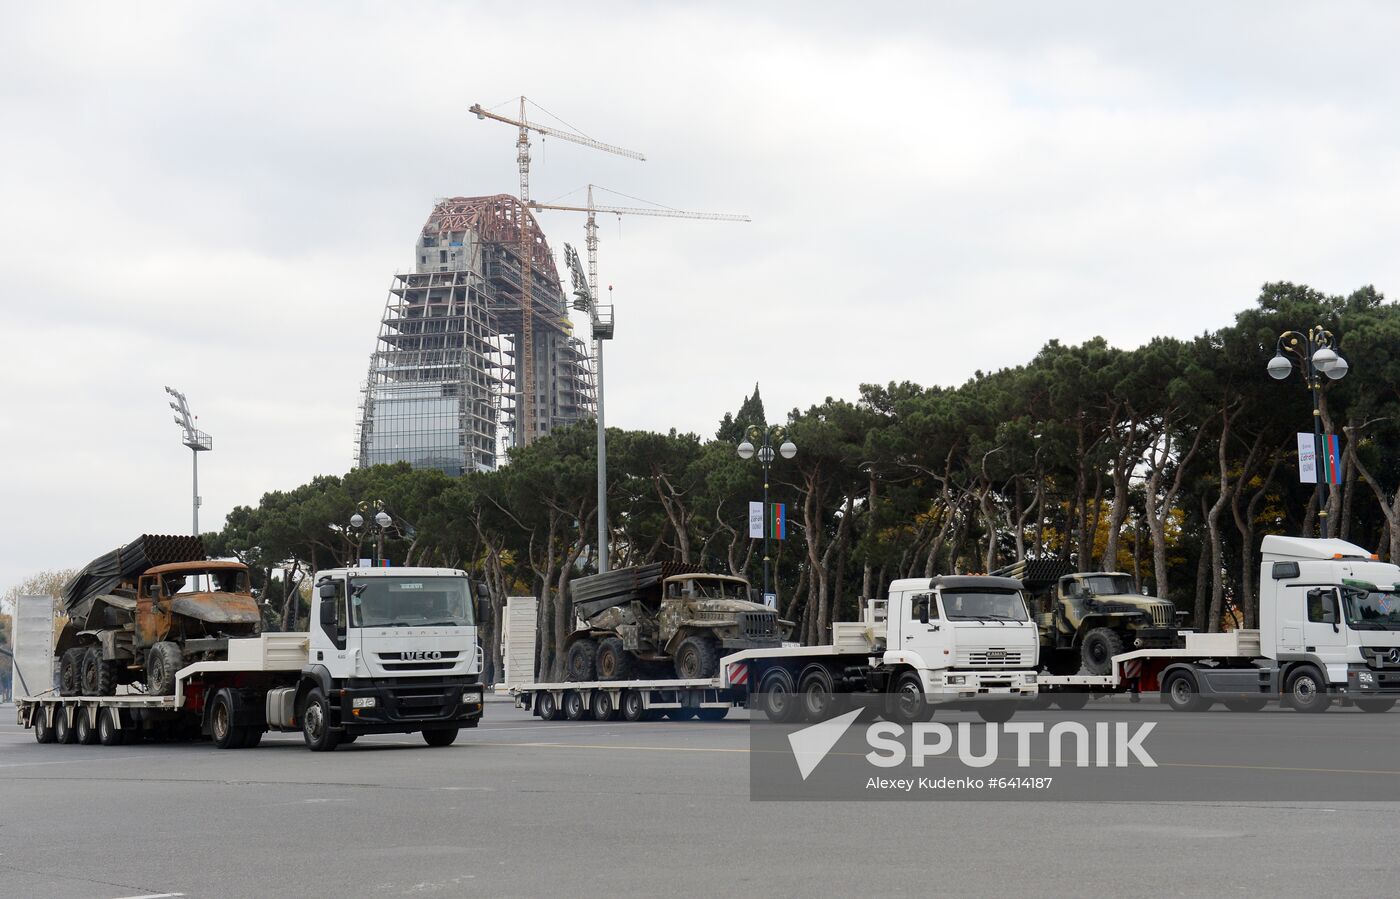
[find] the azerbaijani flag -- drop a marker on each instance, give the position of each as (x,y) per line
(1332,458)
(777,520)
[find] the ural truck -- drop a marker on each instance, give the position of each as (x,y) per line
(653,618)
(1329,631)
(1087,618)
(389,651)
(946,640)
(138,612)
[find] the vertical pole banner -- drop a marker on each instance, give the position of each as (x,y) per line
(1307,459)
(756,520)
(1332,458)
(779,521)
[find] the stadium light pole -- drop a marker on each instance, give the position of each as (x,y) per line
(195,439)
(1316,356)
(746,450)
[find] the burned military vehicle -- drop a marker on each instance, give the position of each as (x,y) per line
(140,613)
(636,622)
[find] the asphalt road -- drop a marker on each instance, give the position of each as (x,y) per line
(520,807)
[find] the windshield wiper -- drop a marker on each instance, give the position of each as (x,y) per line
(452,623)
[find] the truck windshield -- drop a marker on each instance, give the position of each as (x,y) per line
(983,605)
(1107,585)
(410,602)
(710,588)
(1372,609)
(226,580)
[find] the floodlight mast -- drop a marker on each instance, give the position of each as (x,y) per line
(195,439)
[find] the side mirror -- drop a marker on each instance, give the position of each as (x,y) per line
(327,590)
(483,610)
(328,610)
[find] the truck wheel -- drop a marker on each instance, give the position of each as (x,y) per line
(1063,662)
(108,734)
(684,713)
(70,671)
(712,714)
(1071,701)
(547,707)
(633,708)
(907,703)
(614,662)
(582,661)
(1182,694)
(1245,704)
(316,727)
(1098,649)
(575,709)
(442,736)
(1375,705)
(696,658)
(1041,701)
(996,711)
(221,727)
(815,692)
(83,731)
(777,697)
(99,677)
(603,707)
(43,730)
(62,731)
(253,734)
(1307,691)
(162,661)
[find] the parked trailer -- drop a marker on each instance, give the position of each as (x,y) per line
(391,651)
(1329,617)
(933,642)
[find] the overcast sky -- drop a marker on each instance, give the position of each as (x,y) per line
(215,197)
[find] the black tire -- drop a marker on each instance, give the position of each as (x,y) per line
(777,696)
(70,671)
(614,662)
(712,714)
(1098,648)
(62,730)
(253,734)
(575,709)
(108,733)
(1071,701)
(997,711)
(316,728)
(442,736)
(1375,705)
(1307,690)
(633,708)
(906,703)
(43,730)
(1062,662)
(582,661)
(222,730)
(1182,694)
(91,670)
(815,693)
(162,661)
(84,733)
(346,739)
(1245,704)
(547,707)
(696,658)
(684,713)
(1040,702)
(602,707)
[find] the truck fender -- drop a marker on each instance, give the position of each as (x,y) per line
(312,676)
(246,705)
(905,658)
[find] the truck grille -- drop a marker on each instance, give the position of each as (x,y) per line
(396,661)
(758,625)
(1164,614)
(990,658)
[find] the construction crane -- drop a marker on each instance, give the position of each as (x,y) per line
(526,353)
(603,322)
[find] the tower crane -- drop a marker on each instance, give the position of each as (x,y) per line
(603,325)
(526,353)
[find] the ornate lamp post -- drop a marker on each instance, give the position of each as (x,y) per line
(765,452)
(382,521)
(1315,356)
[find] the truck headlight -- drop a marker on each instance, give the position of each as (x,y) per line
(365,702)
(952,679)
(1030,678)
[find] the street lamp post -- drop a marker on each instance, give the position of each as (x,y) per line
(746,450)
(195,439)
(382,520)
(1316,356)
(601,320)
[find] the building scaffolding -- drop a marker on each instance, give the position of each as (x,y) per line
(442,386)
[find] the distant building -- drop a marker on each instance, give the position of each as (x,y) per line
(441,391)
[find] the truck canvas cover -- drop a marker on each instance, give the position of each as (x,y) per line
(124,563)
(593,594)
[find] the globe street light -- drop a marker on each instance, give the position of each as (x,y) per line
(1315,357)
(382,521)
(765,453)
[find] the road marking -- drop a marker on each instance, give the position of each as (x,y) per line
(153,896)
(85,759)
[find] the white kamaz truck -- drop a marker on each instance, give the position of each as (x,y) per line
(390,650)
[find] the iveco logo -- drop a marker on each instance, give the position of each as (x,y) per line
(1393,656)
(422,654)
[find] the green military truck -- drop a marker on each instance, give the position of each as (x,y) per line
(1086,618)
(637,621)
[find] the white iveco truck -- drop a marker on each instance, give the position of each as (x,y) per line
(390,650)
(935,641)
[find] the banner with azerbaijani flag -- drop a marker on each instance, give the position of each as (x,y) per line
(777,520)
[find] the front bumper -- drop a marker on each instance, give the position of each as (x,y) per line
(1154,638)
(1363,680)
(957,686)
(405,705)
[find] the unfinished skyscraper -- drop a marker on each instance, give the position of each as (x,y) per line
(442,385)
